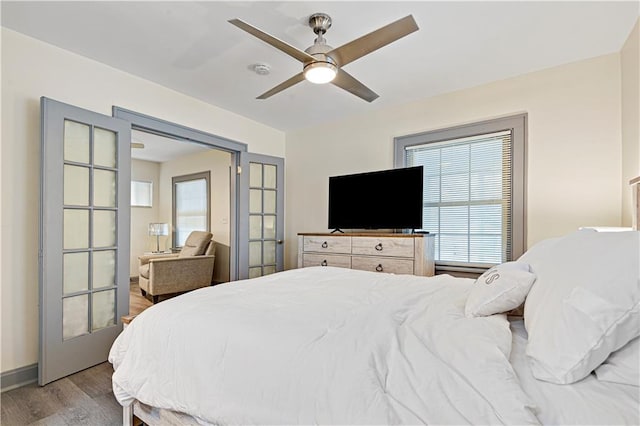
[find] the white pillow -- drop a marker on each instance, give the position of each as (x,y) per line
(585,303)
(622,366)
(538,250)
(500,289)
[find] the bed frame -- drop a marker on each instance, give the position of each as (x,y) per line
(156,416)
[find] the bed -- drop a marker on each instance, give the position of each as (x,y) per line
(327,345)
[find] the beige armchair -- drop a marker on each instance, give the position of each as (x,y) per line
(190,269)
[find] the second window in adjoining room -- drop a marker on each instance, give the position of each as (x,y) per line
(191,205)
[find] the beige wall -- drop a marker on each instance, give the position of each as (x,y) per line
(630,71)
(31,69)
(574,156)
(141,217)
(218,163)
(574,146)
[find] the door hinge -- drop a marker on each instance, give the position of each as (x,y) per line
(239,170)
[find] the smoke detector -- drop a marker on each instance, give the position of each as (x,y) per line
(261,69)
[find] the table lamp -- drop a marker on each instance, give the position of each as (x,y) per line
(157,230)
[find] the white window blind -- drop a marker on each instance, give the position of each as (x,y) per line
(141,194)
(467,197)
(191,208)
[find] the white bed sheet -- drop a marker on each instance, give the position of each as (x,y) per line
(587,402)
(323,346)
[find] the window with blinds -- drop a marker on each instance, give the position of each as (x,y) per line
(190,206)
(469,195)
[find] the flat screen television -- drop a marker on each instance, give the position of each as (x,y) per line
(387,199)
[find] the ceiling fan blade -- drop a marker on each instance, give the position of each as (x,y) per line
(269,39)
(346,81)
(284,85)
(373,41)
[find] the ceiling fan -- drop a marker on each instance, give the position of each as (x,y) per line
(322,63)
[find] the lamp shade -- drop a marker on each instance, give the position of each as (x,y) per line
(158,229)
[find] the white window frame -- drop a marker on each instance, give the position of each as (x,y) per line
(518,126)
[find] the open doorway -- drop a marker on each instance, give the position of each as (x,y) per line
(178,186)
(255,197)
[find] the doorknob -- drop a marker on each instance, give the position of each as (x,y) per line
(279,241)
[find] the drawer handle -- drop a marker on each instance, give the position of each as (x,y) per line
(379,246)
(379,268)
(325,245)
(324,263)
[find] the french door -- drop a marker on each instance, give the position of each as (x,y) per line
(84,237)
(261,230)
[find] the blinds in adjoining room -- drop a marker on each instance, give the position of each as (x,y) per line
(467,197)
(191,211)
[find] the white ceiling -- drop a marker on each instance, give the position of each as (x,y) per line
(190,47)
(160,148)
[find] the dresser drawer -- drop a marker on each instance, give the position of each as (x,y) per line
(382,264)
(309,259)
(396,247)
(327,244)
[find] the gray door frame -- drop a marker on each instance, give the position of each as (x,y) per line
(165,128)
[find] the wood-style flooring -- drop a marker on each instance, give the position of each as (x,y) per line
(137,302)
(84,398)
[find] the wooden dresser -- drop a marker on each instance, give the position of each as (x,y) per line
(381,252)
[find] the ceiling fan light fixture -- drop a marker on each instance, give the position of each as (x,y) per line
(320,72)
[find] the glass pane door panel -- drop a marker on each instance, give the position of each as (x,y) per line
(85,165)
(75,229)
(255,201)
(269,252)
(104,188)
(270,201)
(269,227)
(104,228)
(104,148)
(76,186)
(262,206)
(255,227)
(255,253)
(75,272)
(75,316)
(104,268)
(104,309)
(255,175)
(76,142)
(269,176)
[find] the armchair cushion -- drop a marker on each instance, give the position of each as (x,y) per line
(196,244)
(143,268)
(144,271)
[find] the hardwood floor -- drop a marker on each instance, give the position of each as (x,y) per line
(137,302)
(84,398)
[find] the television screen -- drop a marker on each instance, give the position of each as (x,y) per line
(387,199)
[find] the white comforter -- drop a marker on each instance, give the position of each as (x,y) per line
(323,346)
